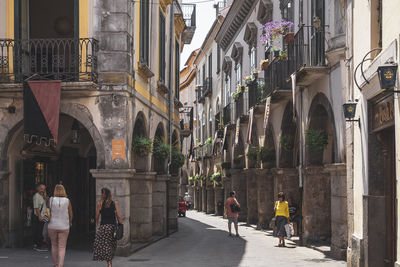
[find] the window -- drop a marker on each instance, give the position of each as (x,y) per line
(238,74)
(144,42)
(288,11)
(210,65)
(203,123)
(210,123)
(204,74)
(301,19)
(161,58)
(177,62)
(253,59)
(376,26)
(227,90)
(218,58)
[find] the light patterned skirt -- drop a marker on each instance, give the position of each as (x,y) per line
(104,243)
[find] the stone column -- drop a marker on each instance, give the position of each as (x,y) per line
(203,196)
(118,181)
(219,201)
(195,197)
(200,196)
(159,199)
(173,204)
(338,209)
(142,207)
(265,192)
(210,199)
(252,195)
(239,185)
(316,205)
(227,189)
(191,191)
(286,180)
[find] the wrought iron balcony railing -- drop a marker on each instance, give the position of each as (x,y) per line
(239,106)
(276,77)
(59,59)
(219,6)
(307,48)
(189,14)
(227,114)
(256,91)
(208,86)
(217,121)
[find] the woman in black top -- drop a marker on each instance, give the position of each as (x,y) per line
(105,243)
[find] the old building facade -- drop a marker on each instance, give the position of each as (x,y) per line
(114,88)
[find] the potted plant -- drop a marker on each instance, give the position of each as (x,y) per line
(255,73)
(161,150)
(264,64)
(248,79)
(289,37)
(275,51)
(275,29)
(267,154)
(216,177)
(238,93)
(252,155)
(316,140)
(208,141)
(142,146)
(287,142)
(177,161)
(283,55)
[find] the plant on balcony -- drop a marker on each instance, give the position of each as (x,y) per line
(264,64)
(267,154)
(287,142)
(216,177)
(208,141)
(275,29)
(282,56)
(141,146)
(161,150)
(196,178)
(289,37)
(260,88)
(255,73)
(238,93)
(177,161)
(316,140)
(248,79)
(276,51)
(252,155)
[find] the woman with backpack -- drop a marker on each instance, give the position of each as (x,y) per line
(105,242)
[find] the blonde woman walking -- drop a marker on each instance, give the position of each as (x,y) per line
(60,222)
(105,242)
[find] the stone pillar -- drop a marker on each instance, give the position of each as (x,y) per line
(316,205)
(142,207)
(203,196)
(239,185)
(286,180)
(265,192)
(219,201)
(173,204)
(191,191)
(252,195)
(210,199)
(227,189)
(338,209)
(160,204)
(118,181)
(200,197)
(196,197)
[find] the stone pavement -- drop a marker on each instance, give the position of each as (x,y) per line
(202,240)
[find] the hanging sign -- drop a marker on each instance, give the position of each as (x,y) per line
(118,149)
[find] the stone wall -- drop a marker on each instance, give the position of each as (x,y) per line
(210,199)
(219,201)
(4,196)
(287,181)
(173,204)
(252,195)
(239,185)
(265,197)
(159,204)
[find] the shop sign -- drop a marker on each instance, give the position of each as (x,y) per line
(383,114)
(118,149)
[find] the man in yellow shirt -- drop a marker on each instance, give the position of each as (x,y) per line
(281,217)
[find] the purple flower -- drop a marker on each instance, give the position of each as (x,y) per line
(274,29)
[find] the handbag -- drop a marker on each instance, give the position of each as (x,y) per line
(289,229)
(118,228)
(235,208)
(47,215)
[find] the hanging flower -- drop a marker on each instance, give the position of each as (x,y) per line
(274,29)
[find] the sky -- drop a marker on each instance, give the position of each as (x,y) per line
(205,16)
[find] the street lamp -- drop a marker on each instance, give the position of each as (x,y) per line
(387,76)
(349,110)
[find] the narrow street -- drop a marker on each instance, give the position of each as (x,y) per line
(202,240)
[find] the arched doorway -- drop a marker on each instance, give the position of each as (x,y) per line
(159,164)
(140,163)
(68,163)
(287,148)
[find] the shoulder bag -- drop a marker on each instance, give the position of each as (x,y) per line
(118,228)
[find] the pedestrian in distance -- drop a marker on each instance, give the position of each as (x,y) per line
(232,210)
(39,210)
(60,222)
(281,217)
(294,214)
(105,242)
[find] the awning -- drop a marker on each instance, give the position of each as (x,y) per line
(41,111)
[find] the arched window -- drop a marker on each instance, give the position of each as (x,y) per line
(210,123)
(203,123)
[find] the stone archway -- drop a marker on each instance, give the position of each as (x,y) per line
(287,142)
(140,163)
(159,165)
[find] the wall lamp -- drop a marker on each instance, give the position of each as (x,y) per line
(387,77)
(349,110)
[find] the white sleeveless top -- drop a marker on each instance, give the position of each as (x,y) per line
(59,213)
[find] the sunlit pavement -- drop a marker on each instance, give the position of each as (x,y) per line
(202,240)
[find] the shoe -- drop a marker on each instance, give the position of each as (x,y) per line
(237,235)
(41,249)
(229,234)
(279,245)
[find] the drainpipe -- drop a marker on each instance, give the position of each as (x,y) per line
(170,104)
(301,163)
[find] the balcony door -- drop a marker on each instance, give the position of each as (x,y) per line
(317,33)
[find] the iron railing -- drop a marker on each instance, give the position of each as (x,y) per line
(219,6)
(276,77)
(217,121)
(200,94)
(227,114)
(189,14)
(307,48)
(59,59)
(256,91)
(207,150)
(208,86)
(239,106)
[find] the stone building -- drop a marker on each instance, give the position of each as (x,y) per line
(118,63)
(260,155)
(372,143)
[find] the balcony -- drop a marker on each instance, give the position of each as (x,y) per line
(220,6)
(217,121)
(189,16)
(207,86)
(207,150)
(276,77)
(227,114)
(186,121)
(256,92)
(239,106)
(68,60)
(307,55)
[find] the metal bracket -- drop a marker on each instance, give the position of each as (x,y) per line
(362,70)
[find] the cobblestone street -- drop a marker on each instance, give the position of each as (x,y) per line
(202,240)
